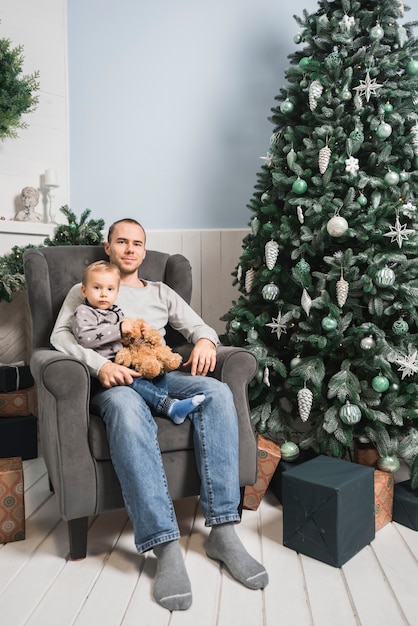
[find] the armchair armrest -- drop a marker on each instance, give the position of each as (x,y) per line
(63,390)
(236,367)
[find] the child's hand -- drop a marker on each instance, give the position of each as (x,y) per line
(127,326)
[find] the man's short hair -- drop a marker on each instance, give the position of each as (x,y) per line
(129,220)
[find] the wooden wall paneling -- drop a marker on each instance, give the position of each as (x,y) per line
(211,277)
(191,248)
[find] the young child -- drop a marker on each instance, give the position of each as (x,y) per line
(99,324)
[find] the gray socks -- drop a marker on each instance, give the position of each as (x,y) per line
(172,585)
(224,545)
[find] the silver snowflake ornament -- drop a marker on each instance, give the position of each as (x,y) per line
(408,363)
(278,324)
(268,160)
(352,165)
(409,209)
(399,232)
(347,22)
(368,87)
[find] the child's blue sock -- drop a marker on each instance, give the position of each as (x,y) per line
(179,409)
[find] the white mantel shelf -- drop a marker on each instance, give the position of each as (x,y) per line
(14,233)
(28,228)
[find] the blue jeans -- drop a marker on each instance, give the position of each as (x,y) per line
(136,456)
(153,391)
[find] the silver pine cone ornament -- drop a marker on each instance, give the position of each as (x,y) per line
(271,250)
(305,399)
(323,159)
(342,291)
(315,92)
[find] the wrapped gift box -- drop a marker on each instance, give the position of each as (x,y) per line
(22,402)
(276,481)
(19,437)
(328,509)
(383,498)
(15,376)
(12,506)
(405,505)
(268,456)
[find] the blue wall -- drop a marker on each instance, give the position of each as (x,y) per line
(169,104)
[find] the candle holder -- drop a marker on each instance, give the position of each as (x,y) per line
(51,197)
(50,183)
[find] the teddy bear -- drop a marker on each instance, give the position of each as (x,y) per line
(144,351)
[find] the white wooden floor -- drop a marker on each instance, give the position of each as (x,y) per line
(112,586)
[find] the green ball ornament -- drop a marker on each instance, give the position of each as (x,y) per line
(394,387)
(270,292)
(346,95)
(388,107)
(303,267)
(329,323)
(400,327)
(391,178)
(304,62)
(389,463)
(287,106)
(403,176)
(295,362)
(350,413)
(380,383)
(235,324)
(384,130)
(362,200)
(385,277)
(289,451)
(377,33)
(412,67)
(297,38)
(299,186)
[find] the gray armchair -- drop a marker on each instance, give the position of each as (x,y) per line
(73,440)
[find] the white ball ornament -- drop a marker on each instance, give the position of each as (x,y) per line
(367,343)
(337,226)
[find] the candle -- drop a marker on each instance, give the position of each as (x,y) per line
(50,177)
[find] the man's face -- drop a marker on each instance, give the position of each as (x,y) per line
(126,248)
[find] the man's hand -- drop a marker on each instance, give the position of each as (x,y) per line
(202,358)
(111,374)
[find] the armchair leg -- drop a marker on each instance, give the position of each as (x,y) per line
(241,502)
(77,533)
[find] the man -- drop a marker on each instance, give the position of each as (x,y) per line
(132,431)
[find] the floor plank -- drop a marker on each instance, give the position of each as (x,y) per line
(113,585)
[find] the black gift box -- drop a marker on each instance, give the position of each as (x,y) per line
(328,509)
(276,481)
(405,505)
(19,437)
(14,377)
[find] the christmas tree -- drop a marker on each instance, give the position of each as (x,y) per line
(328,275)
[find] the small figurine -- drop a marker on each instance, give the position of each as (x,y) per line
(30,199)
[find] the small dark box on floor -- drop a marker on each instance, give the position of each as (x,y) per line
(405,505)
(283,466)
(328,509)
(19,437)
(14,377)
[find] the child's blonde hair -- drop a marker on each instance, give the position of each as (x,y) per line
(100,266)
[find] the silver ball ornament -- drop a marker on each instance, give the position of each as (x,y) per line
(367,343)
(337,226)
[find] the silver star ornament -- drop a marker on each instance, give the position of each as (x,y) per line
(278,324)
(368,87)
(399,232)
(408,363)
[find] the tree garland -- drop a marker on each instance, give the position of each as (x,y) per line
(84,232)
(17,91)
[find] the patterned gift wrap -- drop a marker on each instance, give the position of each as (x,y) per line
(12,506)
(383,498)
(268,458)
(21,402)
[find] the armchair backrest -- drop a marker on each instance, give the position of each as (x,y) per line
(51,271)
